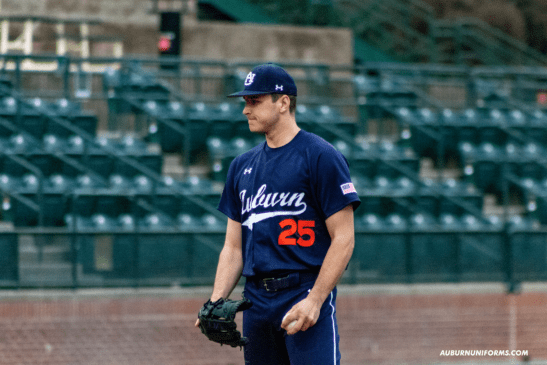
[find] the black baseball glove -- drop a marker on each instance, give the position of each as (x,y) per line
(217,321)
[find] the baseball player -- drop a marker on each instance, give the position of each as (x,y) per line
(290,233)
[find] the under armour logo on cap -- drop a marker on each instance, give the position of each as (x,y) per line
(267,79)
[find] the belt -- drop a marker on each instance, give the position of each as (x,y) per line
(272,284)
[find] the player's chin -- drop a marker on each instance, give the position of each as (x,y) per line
(255,128)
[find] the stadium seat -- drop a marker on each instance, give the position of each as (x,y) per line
(8,107)
(168,203)
(365,84)
(78,223)
(119,184)
(490,125)
(468,129)
(65,108)
(142,185)
(102,222)
(21,144)
(450,222)
(331,117)
(218,157)
(471,223)
(100,202)
(239,145)
(132,145)
(126,222)
(450,125)
(47,163)
(370,221)
(99,162)
(75,146)
(453,191)
(30,184)
(187,222)
(170,139)
(427,197)
(396,222)
(174,110)
(228,121)
(59,184)
(537,127)
(305,117)
(155,222)
(8,182)
(487,170)
(421,123)
(423,221)
(213,224)
(52,144)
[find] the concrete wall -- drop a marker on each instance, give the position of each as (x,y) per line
(275,43)
(138,26)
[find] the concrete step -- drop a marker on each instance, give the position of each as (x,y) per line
(45,274)
(31,254)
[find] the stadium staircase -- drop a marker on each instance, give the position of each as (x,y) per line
(397,30)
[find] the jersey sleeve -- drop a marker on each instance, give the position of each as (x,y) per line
(230,204)
(333,186)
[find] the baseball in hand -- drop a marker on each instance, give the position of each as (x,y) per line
(292,324)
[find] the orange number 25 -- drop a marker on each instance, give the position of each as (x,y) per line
(304,229)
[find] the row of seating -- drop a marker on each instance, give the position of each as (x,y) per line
(200,121)
(366,159)
(85,195)
(427,129)
(39,117)
(72,156)
(152,222)
(446,221)
(488,166)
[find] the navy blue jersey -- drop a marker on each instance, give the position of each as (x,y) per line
(282,197)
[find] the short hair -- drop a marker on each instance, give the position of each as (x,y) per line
(292,99)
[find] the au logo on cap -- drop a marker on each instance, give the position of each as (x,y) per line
(249,79)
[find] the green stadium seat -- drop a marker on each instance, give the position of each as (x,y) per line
(156,222)
(468,129)
(21,144)
(489,128)
(59,183)
(102,222)
(305,117)
(126,222)
(227,120)
(187,222)
(142,185)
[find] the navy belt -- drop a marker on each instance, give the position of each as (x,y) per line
(292,280)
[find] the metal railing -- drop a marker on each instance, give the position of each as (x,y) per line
(145,257)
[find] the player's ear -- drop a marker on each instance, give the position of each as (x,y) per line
(285,103)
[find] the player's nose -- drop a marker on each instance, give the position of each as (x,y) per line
(246,110)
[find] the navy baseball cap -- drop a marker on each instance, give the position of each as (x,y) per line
(267,79)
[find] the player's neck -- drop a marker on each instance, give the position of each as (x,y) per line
(282,134)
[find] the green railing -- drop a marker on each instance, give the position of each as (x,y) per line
(180,257)
(472,41)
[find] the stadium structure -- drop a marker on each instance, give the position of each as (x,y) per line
(116,137)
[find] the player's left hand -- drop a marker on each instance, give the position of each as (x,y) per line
(301,316)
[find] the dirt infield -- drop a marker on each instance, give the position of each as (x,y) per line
(378,325)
